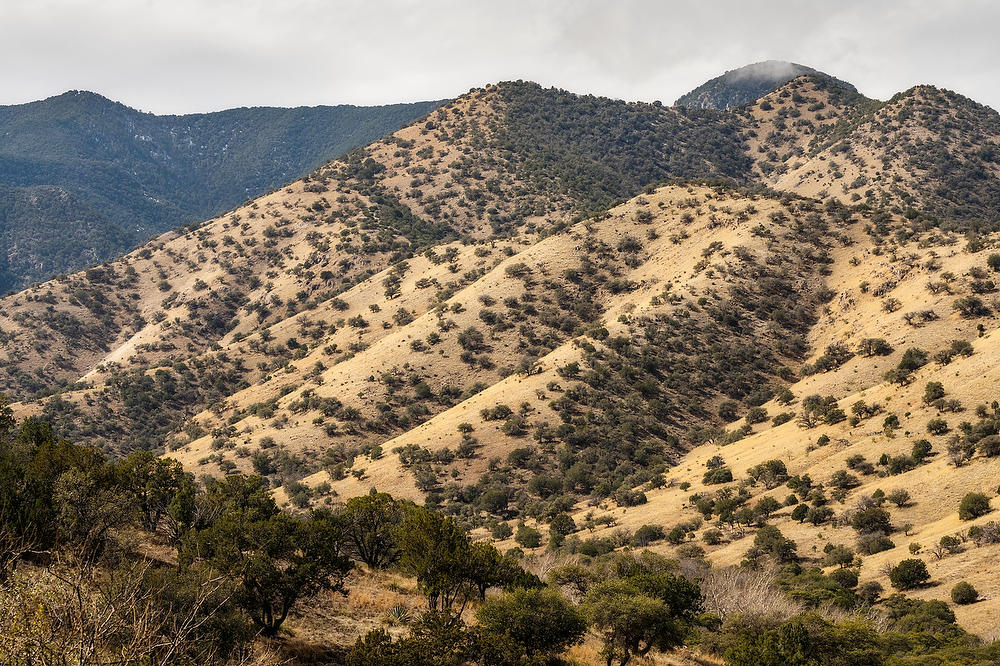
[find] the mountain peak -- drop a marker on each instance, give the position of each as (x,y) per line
(81,97)
(747,84)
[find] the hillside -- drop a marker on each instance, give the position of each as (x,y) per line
(578,325)
(454,175)
(748,84)
(133,175)
(873,443)
(928,152)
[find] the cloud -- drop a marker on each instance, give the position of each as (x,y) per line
(776,70)
(197,55)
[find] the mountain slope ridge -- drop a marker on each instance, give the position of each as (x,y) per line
(147,173)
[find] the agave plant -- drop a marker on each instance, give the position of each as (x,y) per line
(398,614)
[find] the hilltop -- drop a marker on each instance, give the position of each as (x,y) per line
(748,84)
(85,178)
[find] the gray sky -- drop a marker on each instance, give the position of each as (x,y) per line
(182,56)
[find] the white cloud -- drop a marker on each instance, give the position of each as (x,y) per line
(175,56)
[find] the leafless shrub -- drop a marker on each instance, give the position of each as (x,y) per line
(751,591)
(71,614)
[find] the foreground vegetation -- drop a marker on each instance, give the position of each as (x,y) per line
(135,562)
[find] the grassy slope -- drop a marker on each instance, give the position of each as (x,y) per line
(936,487)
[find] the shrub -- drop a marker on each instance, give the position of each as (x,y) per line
(715,462)
(691,551)
(963,593)
(538,621)
(951,544)
(676,535)
(562,524)
(937,426)
(970,307)
(844,480)
(721,475)
(900,497)
(712,536)
(834,416)
(770,472)
(973,505)
(818,515)
(870,543)
(816,409)
(784,396)
(782,418)
(874,347)
(766,506)
(646,535)
(933,391)
(630,497)
(528,536)
(869,592)
(989,446)
(872,519)
(921,449)
(900,464)
(756,415)
(729,411)
(913,359)
(770,540)
(841,556)
(909,574)
(502,531)
(846,578)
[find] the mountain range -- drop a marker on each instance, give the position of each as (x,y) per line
(529,305)
(83,178)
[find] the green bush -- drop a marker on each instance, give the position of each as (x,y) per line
(921,449)
(909,574)
(782,418)
(963,593)
(872,519)
(846,578)
(528,536)
(973,505)
(714,476)
(502,531)
(756,415)
(937,426)
(539,621)
(933,391)
(646,535)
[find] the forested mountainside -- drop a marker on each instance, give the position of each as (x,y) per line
(131,175)
(757,343)
(748,84)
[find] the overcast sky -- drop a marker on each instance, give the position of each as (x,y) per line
(182,56)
